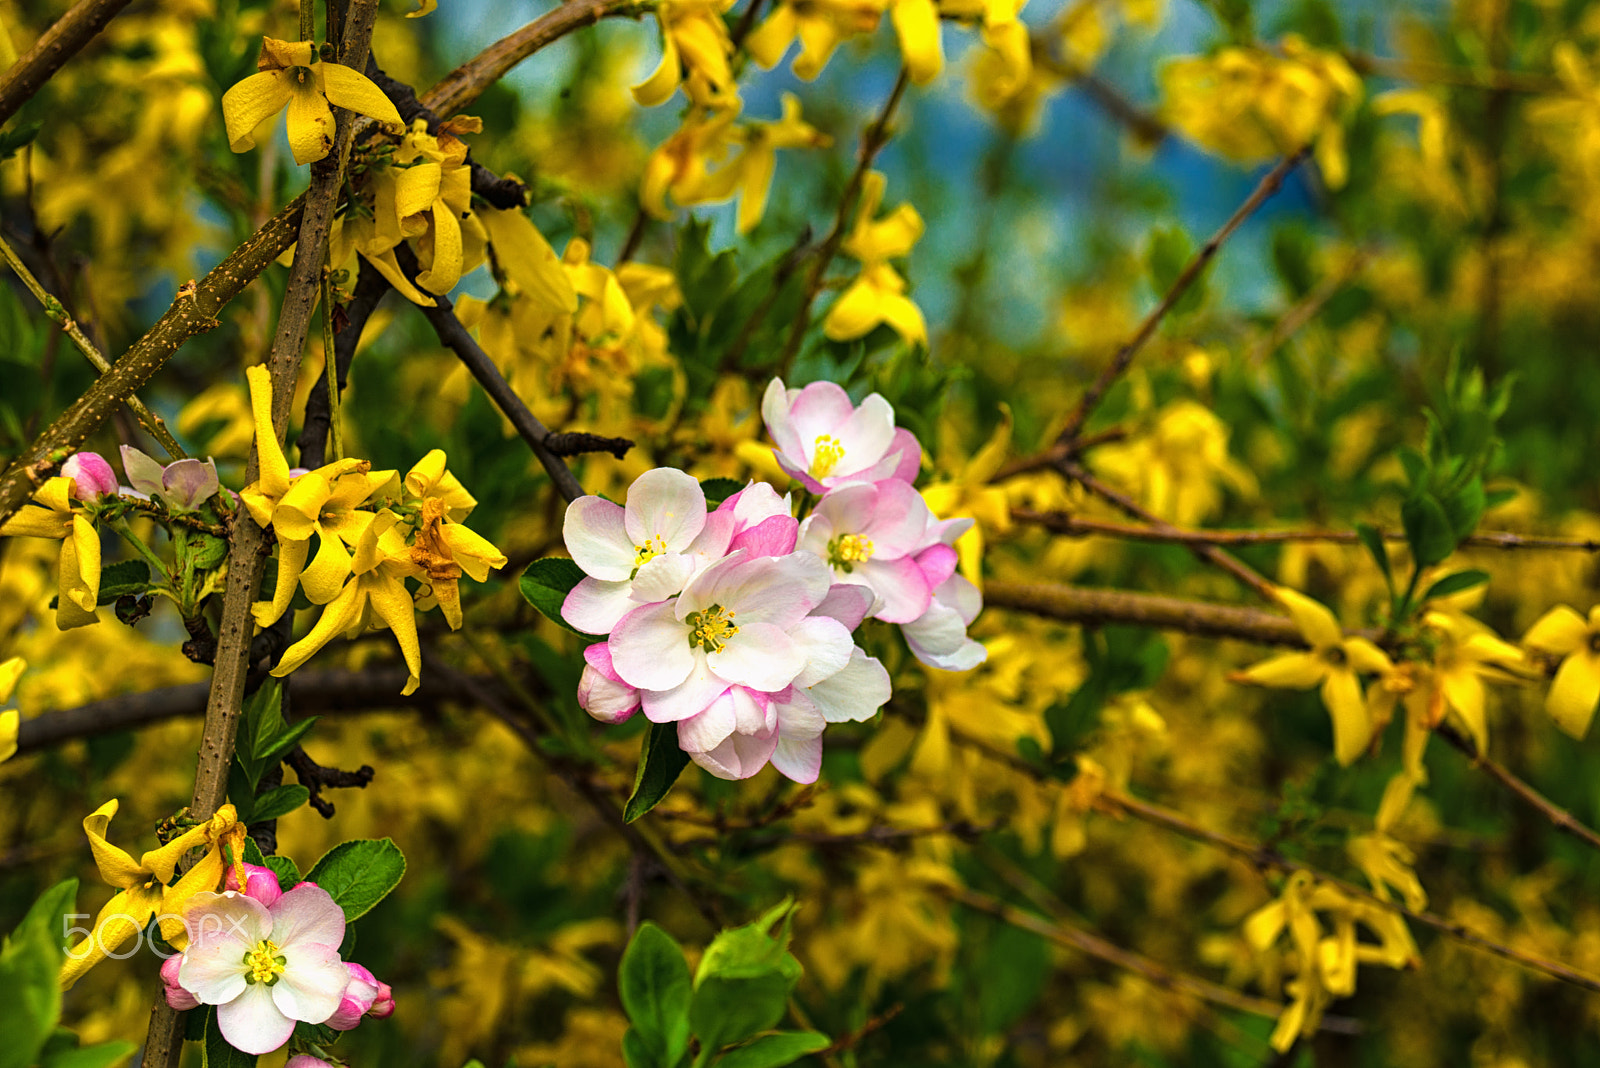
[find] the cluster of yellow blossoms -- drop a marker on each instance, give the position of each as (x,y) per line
(374,532)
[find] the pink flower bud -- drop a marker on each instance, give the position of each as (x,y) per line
(306,1060)
(177,996)
(91,475)
(364,996)
(259,883)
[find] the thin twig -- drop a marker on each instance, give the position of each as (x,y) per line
(455,337)
(57,313)
(1408,70)
(1096,607)
(1191,271)
(1076,526)
(1559,817)
(1212,555)
(1264,858)
(1159,975)
(873,138)
(60,43)
(1306,309)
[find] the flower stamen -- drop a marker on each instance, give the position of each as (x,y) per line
(643,554)
(847,550)
(826,455)
(711,629)
(263,963)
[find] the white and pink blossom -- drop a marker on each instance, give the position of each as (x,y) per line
(823,439)
(259,882)
(364,996)
(91,476)
(184,485)
(868,532)
(265,968)
(601,691)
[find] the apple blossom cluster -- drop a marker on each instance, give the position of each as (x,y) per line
(736,623)
(267,958)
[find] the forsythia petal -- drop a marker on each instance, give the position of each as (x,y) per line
(251,102)
(347,88)
(1574,693)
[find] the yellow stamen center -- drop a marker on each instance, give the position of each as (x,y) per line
(643,554)
(263,964)
(711,629)
(847,550)
(826,456)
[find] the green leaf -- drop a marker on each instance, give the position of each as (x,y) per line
(217,1053)
(241,792)
(359,874)
(725,1011)
(286,870)
(773,1051)
(280,801)
(660,764)
(122,578)
(1465,507)
(1495,498)
(287,740)
(1415,465)
(1170,251)
(718,490)
(546,584)
(1428,530)
(1379,551)
(30,961)
(100,1056)
(1455,583)
(638,1055)
(655,989)
(260,726)
(12,141)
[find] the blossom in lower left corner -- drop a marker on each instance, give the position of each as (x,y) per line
(265,968)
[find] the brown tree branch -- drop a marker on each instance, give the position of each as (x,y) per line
(1092,396)
(466,83)
(1559,817)
(1075,526)
(1209,553)
(1096,607)
(248,545)
(60,43)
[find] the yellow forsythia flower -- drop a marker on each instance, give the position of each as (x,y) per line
(1563,632)
(80,549)
(10,722)
(288,75)
(878,293)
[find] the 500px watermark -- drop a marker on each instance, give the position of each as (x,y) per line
(85,941)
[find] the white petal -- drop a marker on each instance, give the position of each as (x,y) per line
(650,648)
(595,606)
(709,727)
(779,590)
(686,699)
(901,587)
(312,983)
(739,756)
(847,602)
(597,538)
(306,915)
(825,643)
(854,694)
(668,504)
(213,972)
(939,631)
(798,759)
(230,918)
(252,1023)
(605,699)
(775,413)
(866,435)
(662,577)
(761,656)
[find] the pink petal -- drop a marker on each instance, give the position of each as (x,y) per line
(306,915)
(761,656)
(798,759)
(650,648)
(855,693)
(865,436)
(902,589)
(597,538)
(775,405)
(899,521)
(821,408)
(709,727)
(770,537)
(688,698)
(595,606)
(938,562)
(909,466)
(312,984)
(144,472)
(253,1023)
(825,643)
(847,602)
(739,756)
(189,483)
(91,475)
(607,700)
(666,504)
